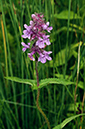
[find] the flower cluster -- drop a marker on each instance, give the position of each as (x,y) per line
(36,32)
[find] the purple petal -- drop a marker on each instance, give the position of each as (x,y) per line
(46,36)
(26,26)
(45,52)
(23,49)
(42,59)
(47,23)
(44,56)
(44,27)
(28,44)
(25,31)
(47,42)
(26,34)
(40,43)
(49,29)
(33,15)
(48,57)
(25,46)
(31,22)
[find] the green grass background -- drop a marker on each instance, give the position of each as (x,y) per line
(18,100)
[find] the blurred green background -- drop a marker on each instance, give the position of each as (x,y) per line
(18,101)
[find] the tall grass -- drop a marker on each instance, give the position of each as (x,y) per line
(18,101)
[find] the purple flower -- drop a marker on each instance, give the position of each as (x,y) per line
(41,41)
(25,46)
(44,56)
(36,32)
(45,27)
(27,32)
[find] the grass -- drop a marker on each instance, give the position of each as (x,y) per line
(18,101)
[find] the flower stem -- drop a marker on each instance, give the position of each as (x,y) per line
(37,101)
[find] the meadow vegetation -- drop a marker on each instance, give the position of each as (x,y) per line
(62,80)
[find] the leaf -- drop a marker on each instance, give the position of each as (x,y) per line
(44,82)
(64,15)
(81,85)
(61,55)
(66,121)
(71,107)
(20,80)
(78,28)
(64,28)
(60,76)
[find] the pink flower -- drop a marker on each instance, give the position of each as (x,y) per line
(45,27)
(36,32)
(44,55)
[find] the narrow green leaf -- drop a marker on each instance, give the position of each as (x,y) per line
(20,80)
(64,15)
(66,121)
(60,56)
(44,82)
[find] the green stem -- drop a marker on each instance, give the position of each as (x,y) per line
(37,101)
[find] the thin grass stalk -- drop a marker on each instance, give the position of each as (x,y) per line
(25,105)
(49,70)
(26,109)
(6,106)
(15,24)
(1,91)
(22,98)
(54,106)
(46,10)
(66,57)
(52,2)
(9,57)
(5,48)
(75,96)
(83,100)
(6,112)
(40,5)
(22,72)
(27,8)
(13,116)
(13,16)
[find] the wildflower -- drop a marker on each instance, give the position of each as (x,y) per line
(41,41)
(43,56)
(36,32)
(45,27)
